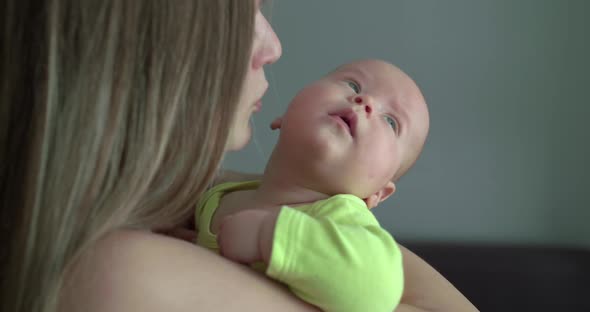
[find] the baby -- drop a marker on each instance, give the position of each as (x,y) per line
(344,142)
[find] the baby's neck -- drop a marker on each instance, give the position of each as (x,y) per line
(279,192)
(285,184)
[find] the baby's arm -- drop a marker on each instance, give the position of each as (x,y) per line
(342,263)
(247,237)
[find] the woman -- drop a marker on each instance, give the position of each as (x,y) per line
(115,117)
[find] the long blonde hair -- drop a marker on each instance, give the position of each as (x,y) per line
(113,114)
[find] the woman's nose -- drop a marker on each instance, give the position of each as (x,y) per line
(268,50)
(366,101)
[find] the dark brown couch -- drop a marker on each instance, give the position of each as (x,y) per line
(514,278)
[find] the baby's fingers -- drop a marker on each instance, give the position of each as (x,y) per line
(238,236)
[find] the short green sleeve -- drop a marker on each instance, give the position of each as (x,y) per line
(336,256)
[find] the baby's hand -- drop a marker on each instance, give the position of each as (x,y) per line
(247,236)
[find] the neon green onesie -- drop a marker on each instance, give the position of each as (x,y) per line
(332,253)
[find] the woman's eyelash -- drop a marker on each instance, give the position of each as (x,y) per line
(355,86)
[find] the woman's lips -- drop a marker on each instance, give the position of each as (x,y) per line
(258,106)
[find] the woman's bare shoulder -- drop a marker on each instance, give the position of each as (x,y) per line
(142,271)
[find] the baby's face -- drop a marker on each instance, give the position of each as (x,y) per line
(361,125)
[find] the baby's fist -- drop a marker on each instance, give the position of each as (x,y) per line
(240,236)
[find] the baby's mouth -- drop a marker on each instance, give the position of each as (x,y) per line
(349,118)
(347,122)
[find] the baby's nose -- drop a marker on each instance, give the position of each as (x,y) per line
(366,101)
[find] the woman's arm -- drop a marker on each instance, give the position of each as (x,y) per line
(141,271)
(427,290)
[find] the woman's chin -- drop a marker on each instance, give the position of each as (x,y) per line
(238,140)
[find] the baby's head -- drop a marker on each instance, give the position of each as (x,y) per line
(356,130)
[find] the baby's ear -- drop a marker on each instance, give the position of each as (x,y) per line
(381,195)
(276,124)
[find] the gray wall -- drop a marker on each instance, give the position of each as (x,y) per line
(507,83)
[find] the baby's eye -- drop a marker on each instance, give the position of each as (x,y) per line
(354,86)
(392,123)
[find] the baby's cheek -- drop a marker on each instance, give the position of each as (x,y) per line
(313,95)
(386,163)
